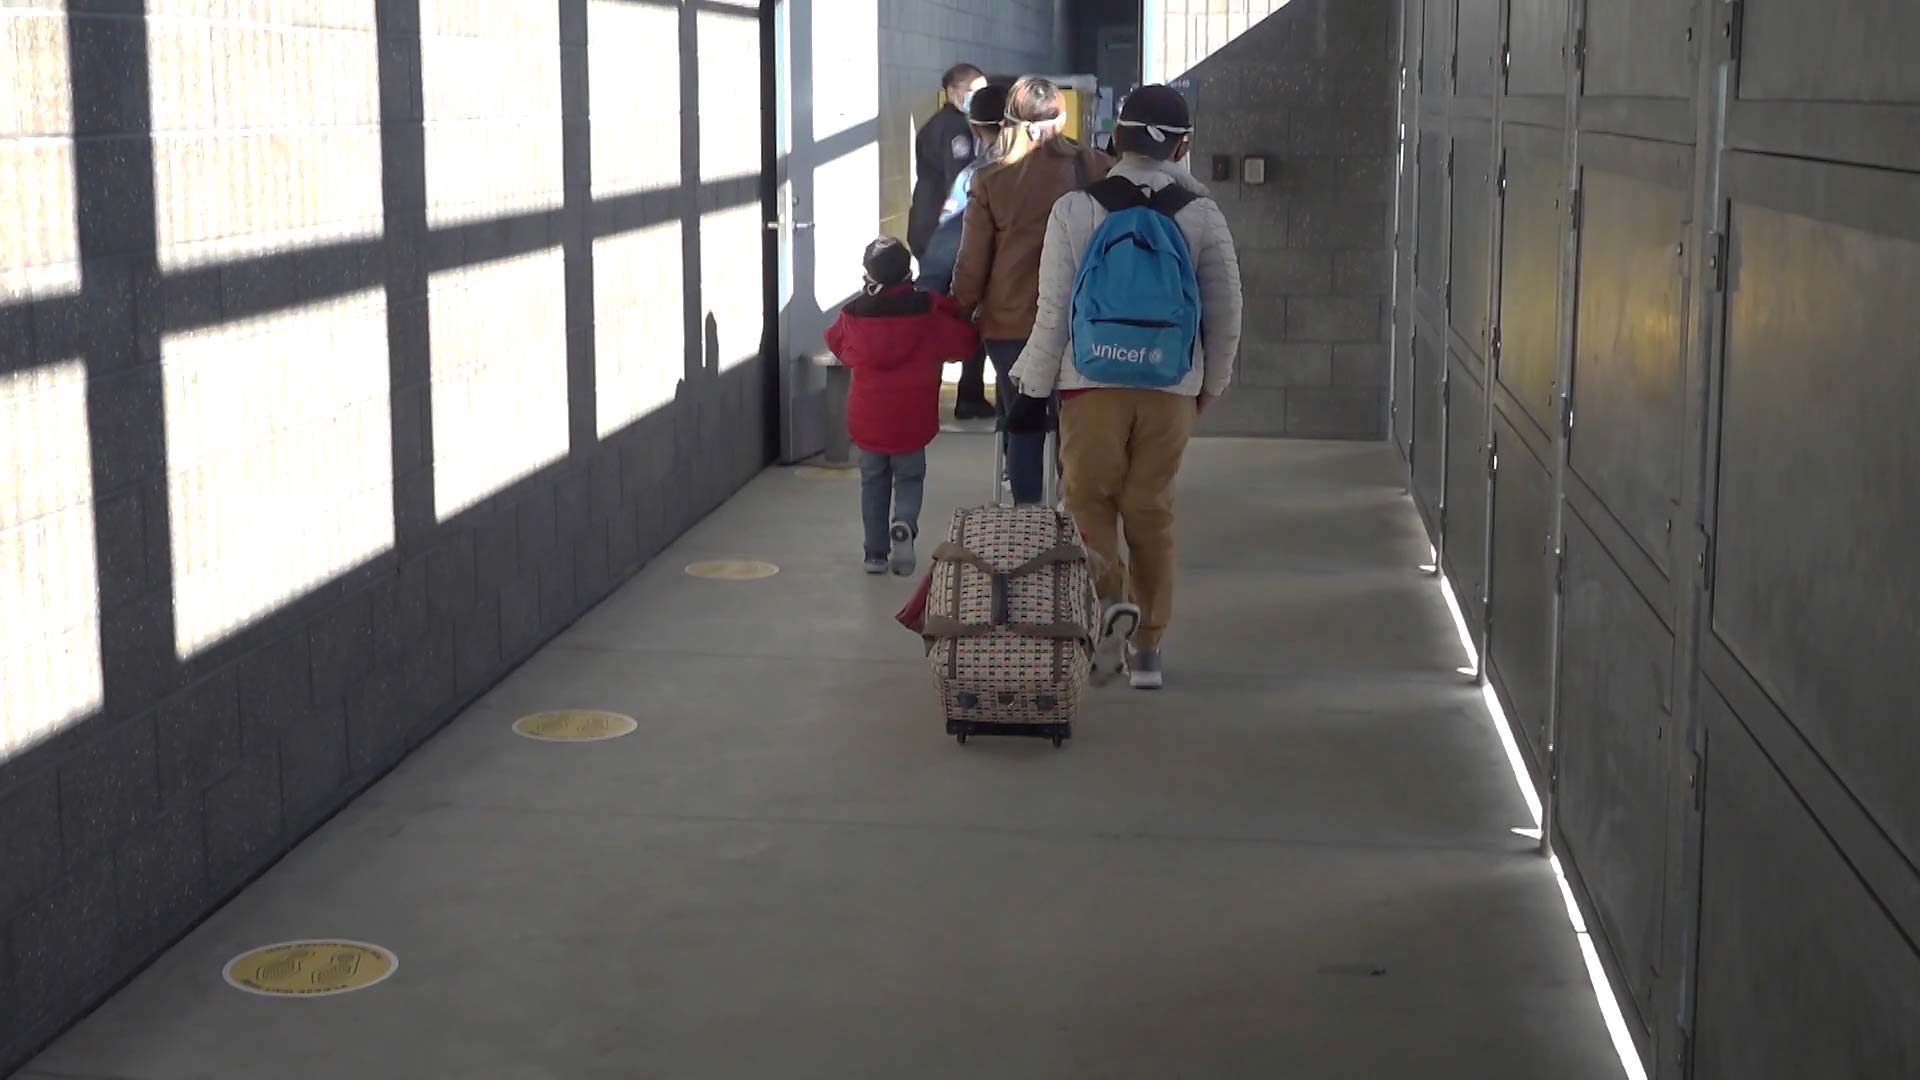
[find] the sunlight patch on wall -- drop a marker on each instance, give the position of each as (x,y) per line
(639,324)
(846,66)
(1180,34)
(266,132)
(846,214)
(39,233)
(279,459)
(732,250)
(633,64)
(49,600)
(499,334)
(491,73)
(729,56)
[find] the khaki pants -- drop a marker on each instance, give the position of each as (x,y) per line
(1120,451)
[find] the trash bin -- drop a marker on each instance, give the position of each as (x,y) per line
(839,451)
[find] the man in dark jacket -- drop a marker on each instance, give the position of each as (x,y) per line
(943,148)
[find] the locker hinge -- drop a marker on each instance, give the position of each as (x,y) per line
(1494,352)
(1576,208)
(1453,71)
(1449,160)
(1448,291)
(1706,562)
(1730,29)
(1560,572)
(1566,415)
(1719,253)
(1503,175)
(1506,59)
(1493,456)
(1698,781)
(1580,49)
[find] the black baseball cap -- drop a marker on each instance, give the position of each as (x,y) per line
(1158,107)
(989,106)
(888,262)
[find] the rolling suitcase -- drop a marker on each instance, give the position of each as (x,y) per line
(1010,619)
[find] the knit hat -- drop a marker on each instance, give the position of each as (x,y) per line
(888,263)
(989,106)
(1160,110)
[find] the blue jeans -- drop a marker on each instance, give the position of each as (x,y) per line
(1026,454)
(891,487)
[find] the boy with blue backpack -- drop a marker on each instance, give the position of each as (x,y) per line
(1138,330)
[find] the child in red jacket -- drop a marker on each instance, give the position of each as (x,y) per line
(894,340)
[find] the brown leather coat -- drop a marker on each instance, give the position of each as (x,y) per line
(998,273)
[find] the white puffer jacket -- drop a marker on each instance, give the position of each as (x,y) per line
(1047,363)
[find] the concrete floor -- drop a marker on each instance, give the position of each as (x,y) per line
(789,870)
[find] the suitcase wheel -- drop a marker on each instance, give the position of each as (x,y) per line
(962,738)
(1057,741)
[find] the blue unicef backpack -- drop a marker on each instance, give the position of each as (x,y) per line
(1136,300)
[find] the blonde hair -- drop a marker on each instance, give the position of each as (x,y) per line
(1033,104)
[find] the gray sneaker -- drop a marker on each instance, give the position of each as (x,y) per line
(875,564)
(1146,669)
(1110,651)
(900,558)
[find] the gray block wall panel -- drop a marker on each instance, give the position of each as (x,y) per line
(29,841)
(160,874)
(1347,412)
(1314,241)
(63,947)
(108,788)
(197,736)
(243,820)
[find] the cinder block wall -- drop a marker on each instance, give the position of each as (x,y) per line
(348,352)
(919,41)
(1311,89)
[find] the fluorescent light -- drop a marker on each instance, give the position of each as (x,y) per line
(1610,1010)
(1603,990)
(1460,625)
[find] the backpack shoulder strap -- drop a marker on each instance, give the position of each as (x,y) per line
(1172,199)
(1117,193)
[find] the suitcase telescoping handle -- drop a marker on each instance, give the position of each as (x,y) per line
(1051,481)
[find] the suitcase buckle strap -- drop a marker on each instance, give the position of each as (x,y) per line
(1001,613)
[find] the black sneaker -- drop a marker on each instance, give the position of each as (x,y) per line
(973,409)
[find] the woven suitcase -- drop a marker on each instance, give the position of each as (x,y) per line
(1010,619)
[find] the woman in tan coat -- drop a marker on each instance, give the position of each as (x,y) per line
(997,277)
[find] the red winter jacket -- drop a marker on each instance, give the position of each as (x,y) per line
(895,343)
